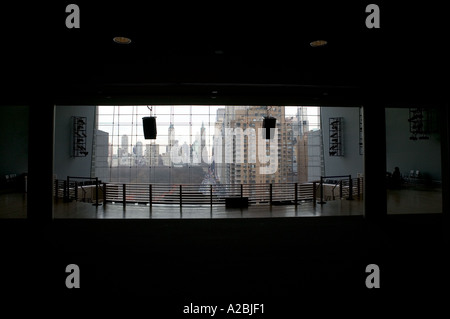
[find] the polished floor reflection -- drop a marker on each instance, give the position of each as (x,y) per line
(415,199)
(403,201)
(83,210)
(13,205)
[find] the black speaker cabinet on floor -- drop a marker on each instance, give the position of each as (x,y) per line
(236,202)
(149,123)
(268,123)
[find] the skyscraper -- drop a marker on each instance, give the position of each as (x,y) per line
(301,122)
(152,154)
(203,150)
(166,157)
(218,147)
(124,144)
(138,149)
(240,157)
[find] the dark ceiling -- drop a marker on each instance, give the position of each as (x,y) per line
(244,51)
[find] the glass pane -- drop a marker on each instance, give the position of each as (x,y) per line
(413,161)
(207,143)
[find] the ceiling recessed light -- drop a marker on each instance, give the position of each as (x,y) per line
(122,40)
(318,43)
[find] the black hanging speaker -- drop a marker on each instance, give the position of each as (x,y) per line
(149,123)
(268,123)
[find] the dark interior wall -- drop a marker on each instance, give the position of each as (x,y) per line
(64,163)
(13,139)
(422,155)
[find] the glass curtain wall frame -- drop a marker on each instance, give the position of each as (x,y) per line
(187,148)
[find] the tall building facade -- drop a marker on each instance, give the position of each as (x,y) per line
(152,157)
(243,157)
(308,151)
(124,145)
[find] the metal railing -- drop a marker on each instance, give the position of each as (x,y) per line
(75,188)
(195,194)
(339,186)
(212,195)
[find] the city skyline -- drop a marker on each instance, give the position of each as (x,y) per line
(202,143)
(186,119)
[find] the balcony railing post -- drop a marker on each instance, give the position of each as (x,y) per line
(124,194)
(270,194)
(104,193)
(321,191)
(350,188)
(56,189)
(68,189)
(314,193)
(150,195)
(296,194)
(181,195)
(242,190)
(210,195)
(65,191)
(358,185)
(96,191)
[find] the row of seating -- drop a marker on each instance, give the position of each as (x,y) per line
(414,176)
(9,178)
